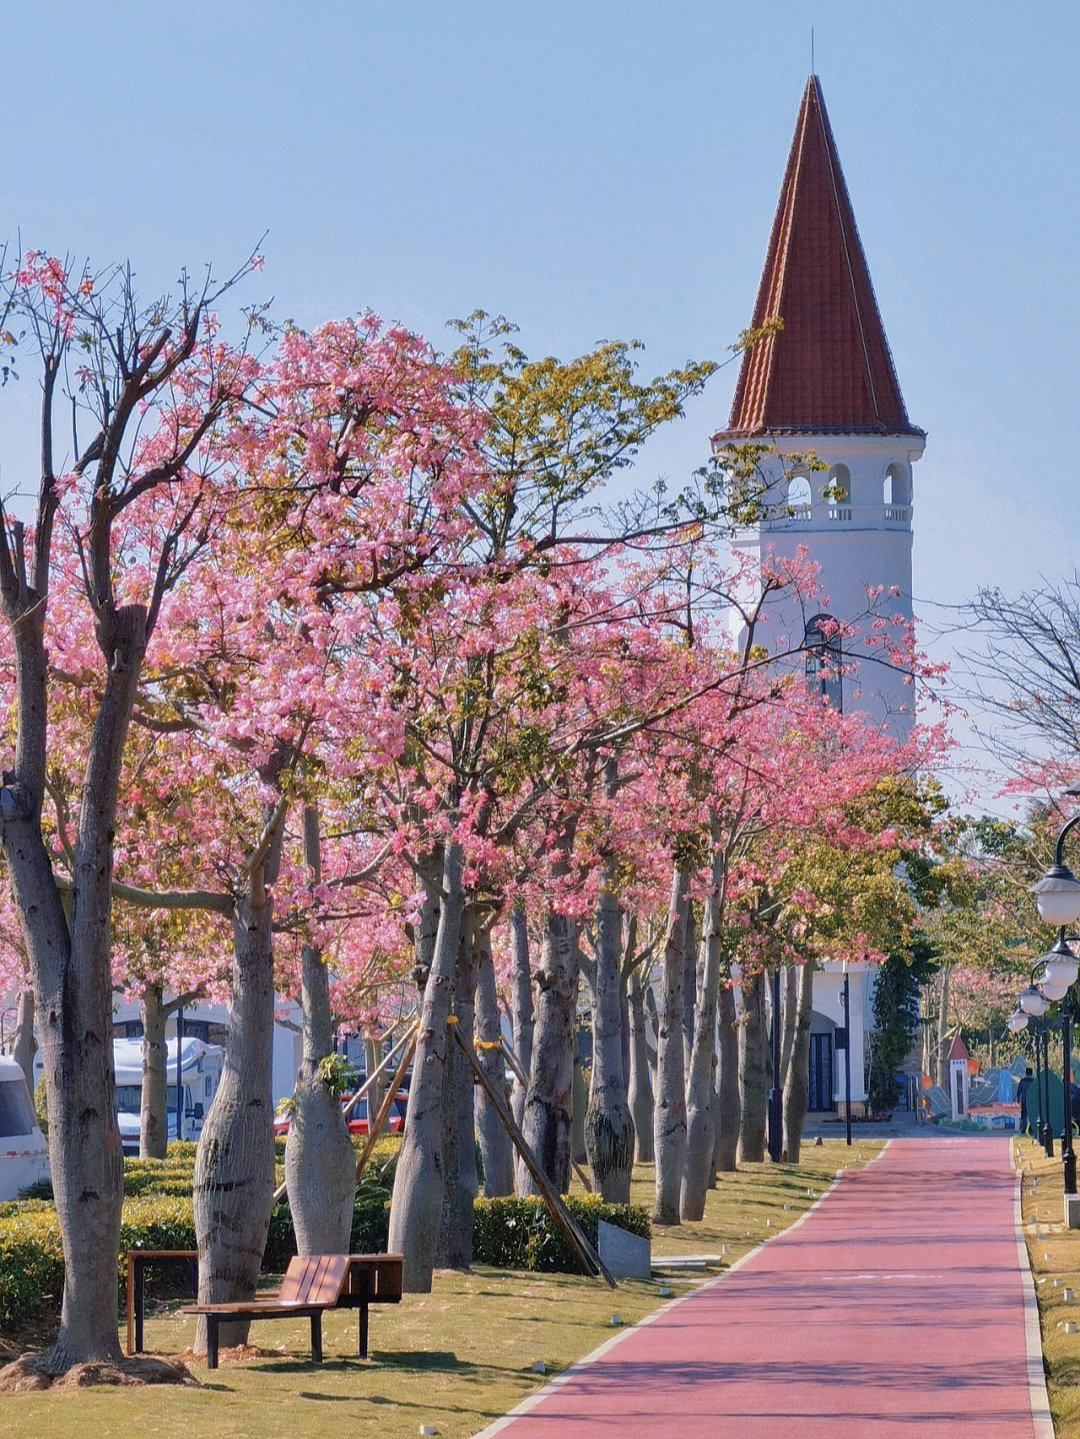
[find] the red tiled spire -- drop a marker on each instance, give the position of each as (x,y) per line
(829,369)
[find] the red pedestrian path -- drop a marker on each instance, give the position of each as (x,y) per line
(900,1306)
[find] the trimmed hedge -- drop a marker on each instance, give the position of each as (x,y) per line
(520,1233)
(507,1233)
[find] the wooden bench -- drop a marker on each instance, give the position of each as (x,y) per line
(311,1286)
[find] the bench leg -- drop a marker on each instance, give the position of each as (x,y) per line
(211,1341)
(316,1338)
(361,1329)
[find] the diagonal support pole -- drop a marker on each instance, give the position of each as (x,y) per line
(559,1212)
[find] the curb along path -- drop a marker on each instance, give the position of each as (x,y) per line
(901,1305)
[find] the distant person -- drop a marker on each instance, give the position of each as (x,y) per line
(1021,1096)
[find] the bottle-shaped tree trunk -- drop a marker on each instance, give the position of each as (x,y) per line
(728,1101)
(639,1082)
(320,1165)
(460,1180)
(752,1087)
(25,1042)
(797,1080)
(496,1147)
(234,1163)
(521,1022)
(547,1119)
(609,1128)
(416,1209)
(669,1115)
(700,1087)
(153,1114)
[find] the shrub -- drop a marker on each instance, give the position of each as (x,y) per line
(521,1234)
(507,1233)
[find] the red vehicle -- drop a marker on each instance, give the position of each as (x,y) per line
(358,1120)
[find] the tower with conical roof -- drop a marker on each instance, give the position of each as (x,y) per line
(822,381)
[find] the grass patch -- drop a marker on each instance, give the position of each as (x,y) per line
(456,1358)
(1054,1254)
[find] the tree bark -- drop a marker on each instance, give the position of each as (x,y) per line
(639,1084)
(521,1003)
(416,1209)
(547,1119)
(521,1021)
(669,1116)
(496,1147)
(461,1183)
(234,1163)
(153,1115)
(700,1088)
(690,980)
(320,1166)
(798,1074)
(71,962)
(790,1003)
(942,1077)
(25,1041)
(752,1089)
(729,1104)
(609,1128)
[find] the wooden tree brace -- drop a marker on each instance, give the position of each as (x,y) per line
(523,1079)
(374,1130)
(559,1212)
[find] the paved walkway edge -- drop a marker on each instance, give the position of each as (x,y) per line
(1041,1421)
(531,1400)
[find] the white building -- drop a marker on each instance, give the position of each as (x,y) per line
(825,383)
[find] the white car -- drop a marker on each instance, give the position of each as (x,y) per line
(24,1150)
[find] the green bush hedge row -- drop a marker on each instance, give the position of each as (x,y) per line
(507,1233)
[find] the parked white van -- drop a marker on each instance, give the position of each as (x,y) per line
(200,1074)
(24,1150)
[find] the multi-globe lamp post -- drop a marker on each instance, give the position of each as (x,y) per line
(1057,896)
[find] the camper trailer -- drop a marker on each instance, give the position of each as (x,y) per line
(24,1153)
(200,1074)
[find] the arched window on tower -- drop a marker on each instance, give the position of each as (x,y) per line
(896,489)
(824,660)
(799,498)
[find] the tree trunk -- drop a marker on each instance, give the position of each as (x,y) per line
(798,1074)
(25,1041)
(320,1165)
(752,1090)
(416,1209)
(700,1122)
(460,1180)
(496,1147)
(71,962)
(690,979)
(639,1084)
(669,1117)
(153,1115)
(547,1119)
(790,1005)
(234,1163)
(609,1128)
(521,1021)
(729,1104)
(942,1077)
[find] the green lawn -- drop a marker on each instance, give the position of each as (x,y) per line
(456,1358)
(1054,1252)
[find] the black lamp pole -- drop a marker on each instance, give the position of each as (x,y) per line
(1048,1127)
(1068,1156)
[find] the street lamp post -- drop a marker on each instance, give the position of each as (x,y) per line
(1057,896)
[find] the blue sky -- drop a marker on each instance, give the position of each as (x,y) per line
(596,171)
